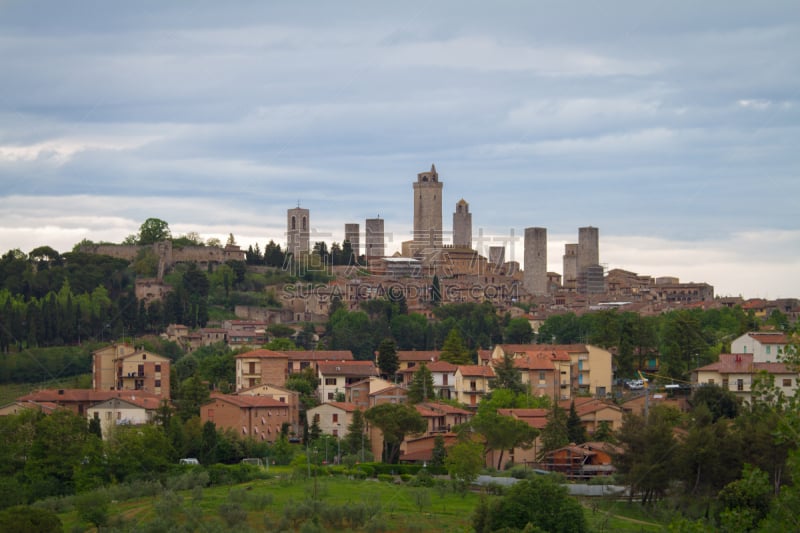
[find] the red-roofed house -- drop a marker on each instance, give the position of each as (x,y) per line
(299,360)
(765,347)
(408,359)
(261,366)
(80,400)
(472,383)
(545,369)
(283,395)
(258,417)
(117,411)
(442,417)
(335,376)
(735,372)
(123,367)
(593,411)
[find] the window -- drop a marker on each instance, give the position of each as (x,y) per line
(769,350)
(330,381)
(740,384)
(158,367)
(541,375)
(787,382)
(158,383)
(725,383)
(711,381)
(252,368)
(335,417)
(335,432)
(330,396)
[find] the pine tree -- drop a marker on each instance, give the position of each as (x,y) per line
(439,451)
(507,376)
(454,351)
(356,439)
(575,430)
(421,388)
(436,291)
(387,358)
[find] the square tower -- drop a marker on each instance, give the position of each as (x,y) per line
(298,231)
(351,235)
(427,211)
(462,225)
(534,277)
(374,238)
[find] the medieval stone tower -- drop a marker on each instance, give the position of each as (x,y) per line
(462,225)
(570,265)
(298,231)
(588,248)
(427,211)
(374,238)
(351,235)
(534,278)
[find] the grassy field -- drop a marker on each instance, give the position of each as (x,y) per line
(401,508)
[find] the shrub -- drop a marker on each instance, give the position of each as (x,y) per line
(25,519)
(367,469)
(386,477)
(423,479)
(405,478)
(232,514)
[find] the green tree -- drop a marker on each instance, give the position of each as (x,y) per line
(720,402)
(747,500)
(421,387)
(540,503)
(576,432)
(436,291)
(24,519)
(208,446)
(395,420)
(388,361)
(439,451)
(555,433)
(508,376)
(502,433)
(464,462)
(191,395)
(518,331)
(356,440)
(153,230)
(453,349)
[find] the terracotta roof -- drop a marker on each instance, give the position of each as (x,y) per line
(349,368)
(137,401)
(82,395)
(607,447)
(248,401)
(442,408)
(536,418)
(769,338)
(442,366)
(320,355)
(476,371)
(262,354)
(396,388)
(418,355)
(740,363)
(525,348)
(584,406)
(344,406)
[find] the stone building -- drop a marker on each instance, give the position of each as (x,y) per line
(121,367)
(570,274)
(351,235)
(298,231)
(427,211)
(462,225)
(535,269)
(374,238)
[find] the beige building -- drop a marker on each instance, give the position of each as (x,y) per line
(766,346)
(333,417)
(122,367)
(736,373)
(261,367)
(334,377)
(545,369)
(131,411)
(472,383)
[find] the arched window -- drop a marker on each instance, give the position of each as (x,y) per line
(294,223)
(304,223)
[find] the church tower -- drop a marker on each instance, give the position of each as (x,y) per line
(427,211)
(298,231)
(462,225)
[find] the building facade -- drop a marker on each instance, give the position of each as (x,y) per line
(427,211)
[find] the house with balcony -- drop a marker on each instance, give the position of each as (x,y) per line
(545,369)
(334,377)
(283,395)
(122,367)
(442,417)
(261,367)
(358,393)
(473,383)
(299,360)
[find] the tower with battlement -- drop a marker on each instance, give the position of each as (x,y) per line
(427,211)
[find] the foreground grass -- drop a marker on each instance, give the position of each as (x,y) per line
(401,508)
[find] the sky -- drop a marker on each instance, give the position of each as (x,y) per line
(673,127)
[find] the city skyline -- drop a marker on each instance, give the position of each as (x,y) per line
(670,128)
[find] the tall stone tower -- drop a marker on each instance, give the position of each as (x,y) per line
(374,238)
(534,278)
(462,225)
(298,231)
(351,235)
(497,255)
(427,211)
(570,279)
(588,248)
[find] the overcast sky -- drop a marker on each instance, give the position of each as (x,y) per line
(673,127)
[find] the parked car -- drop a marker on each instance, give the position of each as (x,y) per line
(189,461)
